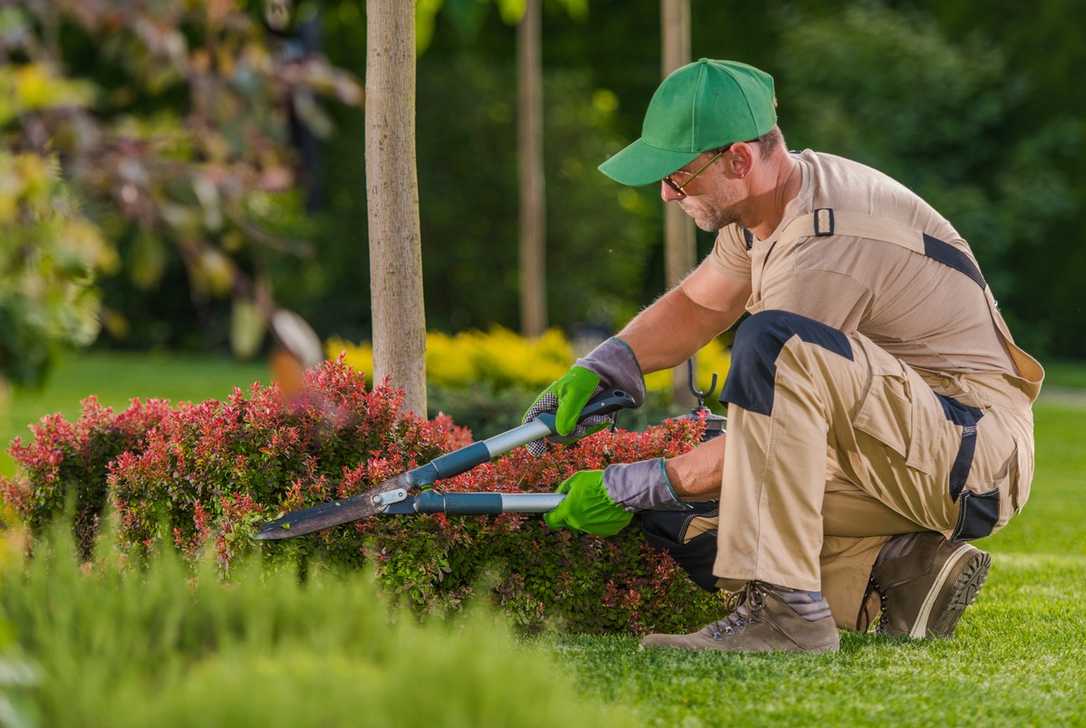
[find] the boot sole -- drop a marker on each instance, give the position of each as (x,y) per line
(964,592)
(648,643)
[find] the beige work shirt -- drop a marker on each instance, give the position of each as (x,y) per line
(925,313)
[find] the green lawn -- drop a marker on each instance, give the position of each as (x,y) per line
(1018,658)
(1065,374)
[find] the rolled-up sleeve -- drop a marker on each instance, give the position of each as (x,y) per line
(730,252)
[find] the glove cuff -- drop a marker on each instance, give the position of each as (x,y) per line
(616,365)
(642,486)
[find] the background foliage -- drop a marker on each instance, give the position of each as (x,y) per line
(176,124)
(50,258)
(949,97)
(193,135)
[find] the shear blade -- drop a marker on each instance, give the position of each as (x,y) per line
(327,515)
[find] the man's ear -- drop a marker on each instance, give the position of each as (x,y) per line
(739,160)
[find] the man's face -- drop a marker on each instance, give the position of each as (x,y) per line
(712,198)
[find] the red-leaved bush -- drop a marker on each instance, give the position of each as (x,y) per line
(208,473)
(69,460)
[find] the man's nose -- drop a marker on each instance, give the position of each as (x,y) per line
(667,194)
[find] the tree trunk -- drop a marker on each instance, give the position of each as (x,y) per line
(533,290)
(680,250)
(392,195)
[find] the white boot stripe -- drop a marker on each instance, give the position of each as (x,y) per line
(920,627)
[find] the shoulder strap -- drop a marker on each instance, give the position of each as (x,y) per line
(826,221)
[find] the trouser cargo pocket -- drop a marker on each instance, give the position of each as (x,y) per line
(978,515)
(889,414)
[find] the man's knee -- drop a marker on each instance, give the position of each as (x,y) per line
(758,343)
(690,539)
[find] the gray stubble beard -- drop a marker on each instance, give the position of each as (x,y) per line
(721,219)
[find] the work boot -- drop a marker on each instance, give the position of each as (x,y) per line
(767,619)
(925,583)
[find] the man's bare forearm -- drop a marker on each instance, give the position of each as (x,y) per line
(696,475)
(672,329)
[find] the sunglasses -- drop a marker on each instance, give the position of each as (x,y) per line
(679,187)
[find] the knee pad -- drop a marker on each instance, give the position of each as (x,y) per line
(688,536)
(758,343)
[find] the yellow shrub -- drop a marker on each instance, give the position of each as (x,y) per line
(357,356)
(446,363)
(502,359)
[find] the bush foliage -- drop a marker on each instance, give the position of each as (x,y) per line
(50,257)
(167,645)
(207,473)
(69,460)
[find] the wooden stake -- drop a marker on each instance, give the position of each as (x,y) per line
(392,194)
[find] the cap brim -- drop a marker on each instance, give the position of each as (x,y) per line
(643,164)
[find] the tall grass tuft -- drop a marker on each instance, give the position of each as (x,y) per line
(114,644)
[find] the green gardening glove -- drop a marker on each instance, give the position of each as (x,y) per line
(611,365)
(566,397)
(587,506)
(572,392)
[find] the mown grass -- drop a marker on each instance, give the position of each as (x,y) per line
(1019,657)
(1065,374)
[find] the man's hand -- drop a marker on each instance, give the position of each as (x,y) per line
(587,507)
(612,364)
(602,502)
(566,397)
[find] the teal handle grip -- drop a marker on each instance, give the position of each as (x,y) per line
(450,464)
(606,402)
(458,503)
(459,461)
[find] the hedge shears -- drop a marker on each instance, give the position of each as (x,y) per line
(395,497)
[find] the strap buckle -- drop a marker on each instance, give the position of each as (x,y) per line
(823,222)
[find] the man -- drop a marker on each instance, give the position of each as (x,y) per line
(879,413)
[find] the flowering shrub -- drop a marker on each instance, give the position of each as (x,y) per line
(69,460)
(503,359)
(590,584)
(208,473)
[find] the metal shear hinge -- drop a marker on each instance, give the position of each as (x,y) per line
(384,500)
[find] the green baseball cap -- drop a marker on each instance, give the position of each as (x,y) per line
(703,105)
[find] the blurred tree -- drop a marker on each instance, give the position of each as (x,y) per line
(468,15)
(392,193)
(50,253)
(533,211)
(178,141)
(680,250)
(50,257)
(1041,162)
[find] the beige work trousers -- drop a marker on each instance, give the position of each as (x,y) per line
(834,446)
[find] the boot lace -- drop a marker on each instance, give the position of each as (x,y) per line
(862,623)
(748,610)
